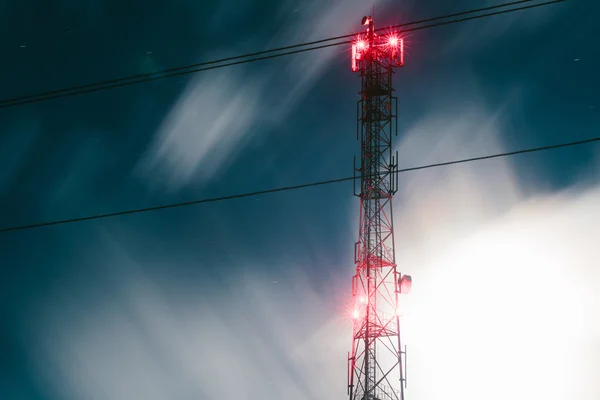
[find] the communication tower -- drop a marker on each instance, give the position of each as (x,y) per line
(376,364)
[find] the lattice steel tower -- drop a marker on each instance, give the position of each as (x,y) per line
(376,363)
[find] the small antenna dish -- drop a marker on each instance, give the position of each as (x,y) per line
(365,20)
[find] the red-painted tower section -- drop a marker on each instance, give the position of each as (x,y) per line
(377,361)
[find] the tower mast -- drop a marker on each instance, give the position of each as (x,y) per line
(376,362)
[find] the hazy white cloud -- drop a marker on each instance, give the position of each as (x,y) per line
(205,130)
(440,138)
(254,340)
(516,296)
(215,117)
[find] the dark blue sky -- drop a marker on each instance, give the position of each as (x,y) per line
(503,83)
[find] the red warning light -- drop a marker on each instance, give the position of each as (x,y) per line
(358,48)
(393,41)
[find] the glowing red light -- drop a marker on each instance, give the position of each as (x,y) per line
(355,314)
(358,50)
(393,41)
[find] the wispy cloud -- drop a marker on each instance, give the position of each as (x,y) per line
(205,130)
(251,339)
(454,196)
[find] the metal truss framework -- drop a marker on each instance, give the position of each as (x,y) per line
(376,361)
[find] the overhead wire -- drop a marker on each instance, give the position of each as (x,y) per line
(264,55)
(289,188)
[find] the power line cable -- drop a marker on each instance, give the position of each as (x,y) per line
(547,3)
(288,188)
(244,59)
